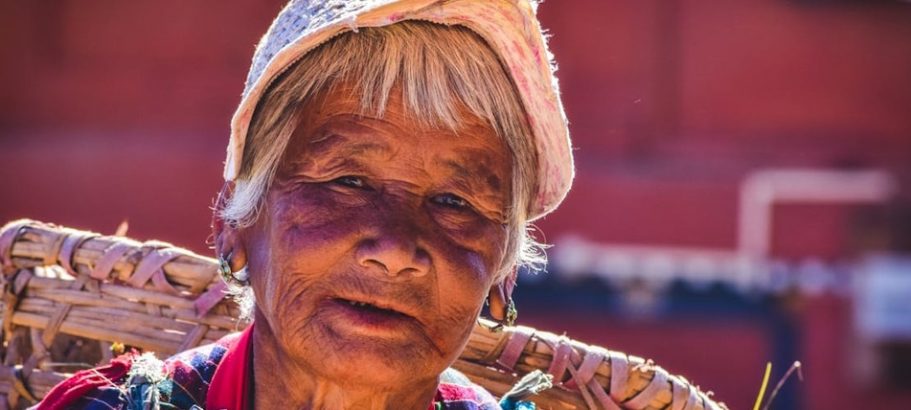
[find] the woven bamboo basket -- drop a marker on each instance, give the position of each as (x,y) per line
(70,294)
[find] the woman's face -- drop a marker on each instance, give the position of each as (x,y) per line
(378,241)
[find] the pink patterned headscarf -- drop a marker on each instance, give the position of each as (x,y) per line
(509,27)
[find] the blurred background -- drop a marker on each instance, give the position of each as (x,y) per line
(744,169)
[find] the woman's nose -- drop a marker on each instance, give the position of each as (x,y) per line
(393,254)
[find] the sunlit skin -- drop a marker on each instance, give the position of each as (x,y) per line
(385,211)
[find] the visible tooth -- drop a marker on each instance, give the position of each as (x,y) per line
(351,302)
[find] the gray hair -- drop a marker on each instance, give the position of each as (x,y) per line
(439,68)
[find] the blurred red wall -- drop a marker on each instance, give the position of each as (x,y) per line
(672,103)
(115,110)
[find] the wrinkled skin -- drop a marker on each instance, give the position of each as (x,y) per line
(383,211)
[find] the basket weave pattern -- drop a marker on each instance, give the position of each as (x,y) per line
(69,294)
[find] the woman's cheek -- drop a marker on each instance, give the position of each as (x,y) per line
(469,245)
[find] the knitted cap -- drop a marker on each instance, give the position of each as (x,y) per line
(508,26)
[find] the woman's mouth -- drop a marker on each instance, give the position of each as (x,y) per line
(366,317)
(369,307)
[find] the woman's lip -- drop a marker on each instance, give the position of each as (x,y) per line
(379,304)
(369,305)
(368,319)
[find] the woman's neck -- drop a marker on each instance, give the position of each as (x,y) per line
(281,383)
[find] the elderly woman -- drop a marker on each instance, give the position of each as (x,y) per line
(383,167)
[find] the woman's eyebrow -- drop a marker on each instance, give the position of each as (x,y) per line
(475,176)
(334,150)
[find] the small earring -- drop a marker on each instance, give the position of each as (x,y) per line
(511,314)
(239,278)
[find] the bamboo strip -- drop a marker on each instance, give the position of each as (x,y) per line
(146,296)
(189,271)
(121,323)
(499,383)
(537,355)
(121,308)
(95,333)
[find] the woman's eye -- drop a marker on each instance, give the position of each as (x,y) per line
(451,201)
(350,181)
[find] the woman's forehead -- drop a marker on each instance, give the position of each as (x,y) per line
(340,111)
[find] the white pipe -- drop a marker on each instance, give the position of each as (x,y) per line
(761,190)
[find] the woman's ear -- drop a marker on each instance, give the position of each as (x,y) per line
(496,302)
(229,243)
(499,298)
